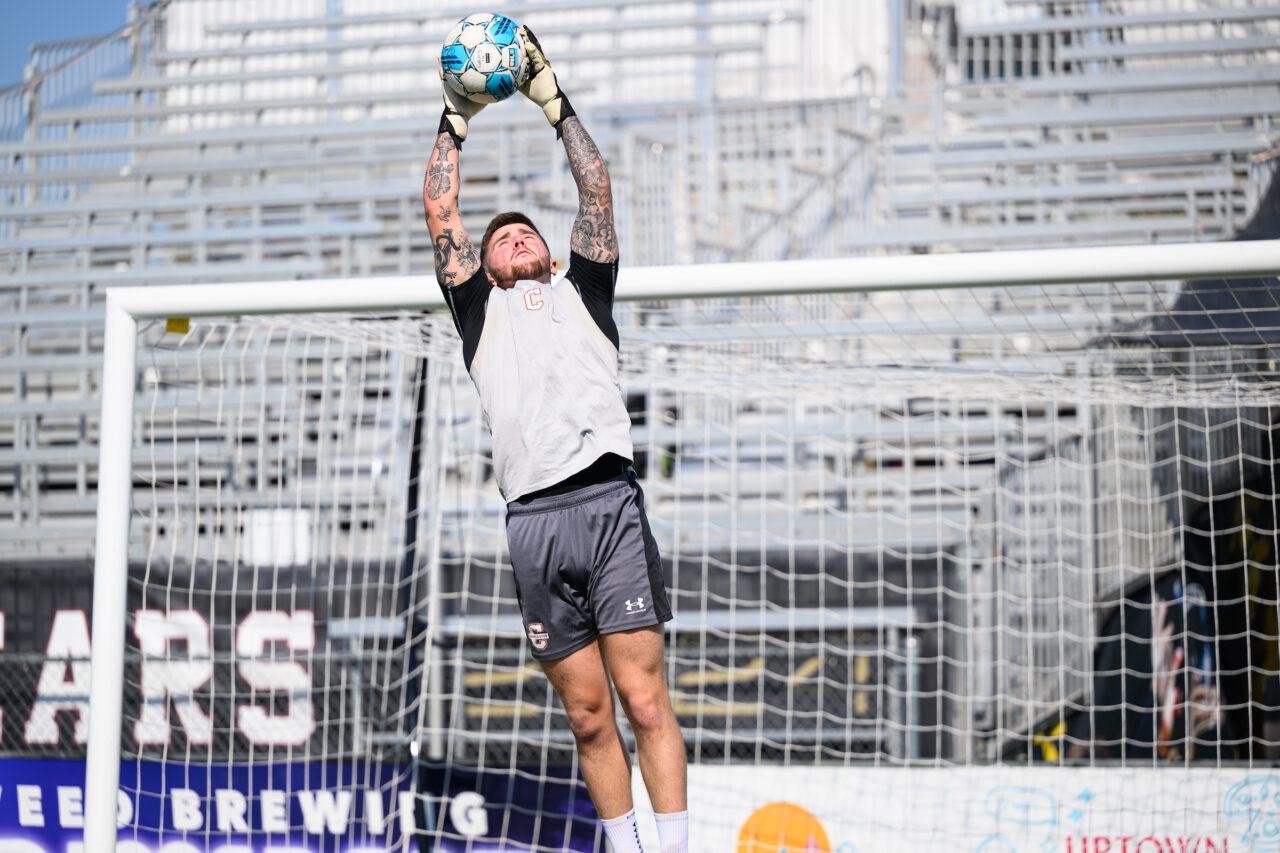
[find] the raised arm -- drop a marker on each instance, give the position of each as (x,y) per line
(594,237)
(456,256)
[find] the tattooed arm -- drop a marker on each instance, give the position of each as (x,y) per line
(593,235)
(456,256)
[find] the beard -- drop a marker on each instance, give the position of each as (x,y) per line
(530,267)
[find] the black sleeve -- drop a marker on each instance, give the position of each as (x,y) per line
(467,303)
(595,283)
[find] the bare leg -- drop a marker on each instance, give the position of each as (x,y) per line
(583,684)
(634,659)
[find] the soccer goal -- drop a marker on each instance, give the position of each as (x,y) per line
(967,552)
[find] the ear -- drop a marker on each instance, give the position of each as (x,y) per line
(493,281)
(553,266)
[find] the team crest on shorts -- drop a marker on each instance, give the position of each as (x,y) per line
(537,636)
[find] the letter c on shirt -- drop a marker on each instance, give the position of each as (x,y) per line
(533,298)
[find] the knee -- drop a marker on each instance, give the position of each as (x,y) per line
(647,710)
(591,722)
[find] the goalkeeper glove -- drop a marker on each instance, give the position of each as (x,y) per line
(542,87)
(457,112)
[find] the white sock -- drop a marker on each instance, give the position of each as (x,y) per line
(622,833)
(673,832)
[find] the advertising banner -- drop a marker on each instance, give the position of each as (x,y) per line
(167,807)
(522,809)
(997,809)
(321,807)
(299,807)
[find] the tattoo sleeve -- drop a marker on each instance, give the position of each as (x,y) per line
(456,257)
(593,234)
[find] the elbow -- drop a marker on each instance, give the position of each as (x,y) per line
(596,194)
(606,185)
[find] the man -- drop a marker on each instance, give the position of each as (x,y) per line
(544,357)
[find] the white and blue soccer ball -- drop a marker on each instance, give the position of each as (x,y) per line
(483,58)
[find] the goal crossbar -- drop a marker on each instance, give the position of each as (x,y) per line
(771,278)
(126,306)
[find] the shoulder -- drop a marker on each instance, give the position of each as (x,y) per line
(583,271)
(474,289)
(595,282)
(467,304)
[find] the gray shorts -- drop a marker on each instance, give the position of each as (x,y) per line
(585,564)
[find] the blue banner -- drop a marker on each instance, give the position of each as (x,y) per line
(508,810)
(299,807)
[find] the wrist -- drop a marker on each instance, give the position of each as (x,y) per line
(449,121)
(557,110)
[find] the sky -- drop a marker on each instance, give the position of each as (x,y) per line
(27,22)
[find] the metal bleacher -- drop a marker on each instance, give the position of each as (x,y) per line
(1029,137)
(203,144)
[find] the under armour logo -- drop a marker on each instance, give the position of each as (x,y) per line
(638,604)
(537,636)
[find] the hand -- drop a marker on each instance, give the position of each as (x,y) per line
(542,87)
(457,112)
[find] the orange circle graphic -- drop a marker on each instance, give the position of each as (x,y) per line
(782,828)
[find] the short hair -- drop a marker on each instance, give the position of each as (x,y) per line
(511,217)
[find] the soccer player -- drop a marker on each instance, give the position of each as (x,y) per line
(544,356)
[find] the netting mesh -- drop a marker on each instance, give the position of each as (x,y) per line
(989,532)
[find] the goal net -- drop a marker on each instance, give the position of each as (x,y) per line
(988,568)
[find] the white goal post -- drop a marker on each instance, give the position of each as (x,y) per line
(128,307)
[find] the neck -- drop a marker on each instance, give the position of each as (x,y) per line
(507,285)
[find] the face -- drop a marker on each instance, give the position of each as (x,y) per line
(516,252)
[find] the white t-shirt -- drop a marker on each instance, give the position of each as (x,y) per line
(544,358)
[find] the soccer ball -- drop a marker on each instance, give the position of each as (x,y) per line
(483,58)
